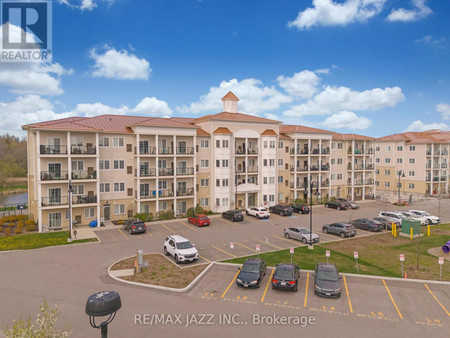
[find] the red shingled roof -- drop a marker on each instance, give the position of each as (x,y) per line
(222,130)
(287,129)
(429,136)
(269,132)
(202,132)
(224,116)
(230,96)
(349,137)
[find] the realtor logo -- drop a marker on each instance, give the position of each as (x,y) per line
(26,31)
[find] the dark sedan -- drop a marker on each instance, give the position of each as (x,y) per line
(340,229)
(135,227)
(367,224)
(336,205)
(326,280)
(282,210)
(286,277)
(251,273)
(300,208)
(387,222)
(233,215)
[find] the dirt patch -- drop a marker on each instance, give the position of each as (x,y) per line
(438,253)
(161,271)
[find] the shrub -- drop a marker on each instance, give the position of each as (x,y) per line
(164,215)
(120,221)
(144,217)
(199,210)
(7,231)
(18,231)
(190,212)
(30,227)
(12,224)
(29,222)
(210,212)
(299,201)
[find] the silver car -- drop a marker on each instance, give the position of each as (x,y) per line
(301,234)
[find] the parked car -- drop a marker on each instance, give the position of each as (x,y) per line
(336,205)
(387,222)
(258,212)
(135,226)
(286,277)
(367,224)
(393,215)
(282,210)
(233,215)
(340,229)
(251,273)
(199,220)
(300,208)
(353,204)
(344,201)
(180,248)
(414,217)
(326,280)
(302,234)
(430,218)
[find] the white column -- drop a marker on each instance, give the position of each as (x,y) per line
(157,174)
(138,173)
(97,166)
(37,178)
(175,174)
(195,168)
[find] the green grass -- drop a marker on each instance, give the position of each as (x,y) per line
(34,241)
(16,187)
(378,255)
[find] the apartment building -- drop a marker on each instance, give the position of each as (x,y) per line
(412,164)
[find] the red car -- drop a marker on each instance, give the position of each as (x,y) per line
(199,220)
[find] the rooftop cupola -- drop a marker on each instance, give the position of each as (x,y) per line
(230,103)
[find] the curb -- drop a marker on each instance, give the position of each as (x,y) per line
(158,287)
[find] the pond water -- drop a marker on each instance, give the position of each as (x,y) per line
(14,198)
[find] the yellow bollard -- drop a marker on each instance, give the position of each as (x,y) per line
(411,233)
(395,230)
(428,230)
(392,228)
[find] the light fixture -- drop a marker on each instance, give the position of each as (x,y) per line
(101,304)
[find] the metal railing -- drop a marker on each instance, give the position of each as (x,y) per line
(147,150)
(185,150)
(148,173)
(252,151)
(252,169)
(53,149)
(84,149)
(239,151)
(165,193)
(185,192)
(83,174)
(54,175)
(84,199)
(54,201)
(185,171)
(165,172)
(165,151)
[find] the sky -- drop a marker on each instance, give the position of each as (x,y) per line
(371,67)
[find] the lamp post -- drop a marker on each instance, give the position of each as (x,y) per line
(311,184)
(400,175)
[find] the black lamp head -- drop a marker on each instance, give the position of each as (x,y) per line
(103,303)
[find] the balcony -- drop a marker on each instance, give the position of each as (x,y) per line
(325,167)
(370,181)
(239,151)
(370,167)
(88,149)
(429,152)
(443,165)
(437,152)
(185,150)
(148,172)
(443,178)
(165,193)
(54,175)
(147,150)
(436,165)
(252,151)
(165,151)
(324,184)
(53,149)
(325,151)
(358,182)
(185,171)
(84,174)
(252,169)
(445,152)
(370,151)
(165,172)
(185,192)
(54,201)
(84,199)
(436,179)
(314,168)
(428,166)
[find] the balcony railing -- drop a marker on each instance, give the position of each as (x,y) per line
(443,178)
(436,165)
(370,181)
(437,152)
(443,165)
(54,201)
(325,184)
(325,167)
(428,166)
(85,149)
(239,151)
(185,171)
(436,179)
(147,150)
(54,175)
(428,152)
(252,169)
(165,150)
(165,193)
(185,192)
(252,151)
(84,199)
(165,172)
(84,174)
(314,168)
(370,167)
(444,152)
(53,149)
(185,150)
(148,173)
(428,179)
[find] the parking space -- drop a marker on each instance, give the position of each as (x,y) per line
(386,301)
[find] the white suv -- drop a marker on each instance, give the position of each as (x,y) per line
(414,217)
(180,248)
(430,218)
(258,212)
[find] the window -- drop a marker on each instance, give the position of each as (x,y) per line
(412,173)
(280,162)
(271,180)
(272,144)
(162,185)
(271,198)
(103,165)
(225,182)
(217,163)
(387,184)
(105,187)
(204,163)
(264,180)
(333,176)
(280,196)
(280,179)
(388,148)
(89,213)
(411,185)
(399,160)
(272,162)
(103,142)
(119,186)
(265,162)
(119,164)
(163,205)
(387,160)
(333,145)
(280,144)
(204,202)
(339,176)
(412,148)
(333,161)
(377,149)
(339,161)
(224,143)
(339,145)
(377,160)
(399,148)
(54,220)
(387,172)
(225,163)
(78,189)
(217,143)
(77,165)
(264,198)
(204,143)
(412,160)
(217,202)
(377,183)
(265,144)
(217,182)
(225,201)
(118,142)
(377,172)
(119,209)
(204,182)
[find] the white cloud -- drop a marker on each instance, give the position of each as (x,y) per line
(444,109)
(254,98)
(84,5)
(420,126)
(271,116)
(31,77)
(97,108)
(302,84)
(151,106)
(347,119)
(26,110)
(115,64)
(331,13)
(333,99)
(420,11)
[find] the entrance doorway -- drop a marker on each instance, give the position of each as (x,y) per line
(107,212)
